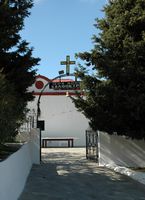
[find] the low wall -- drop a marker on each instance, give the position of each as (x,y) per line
(117,150)
(35,145)
(15,169)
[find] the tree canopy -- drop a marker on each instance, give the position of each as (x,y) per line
(115,94)
(16,60)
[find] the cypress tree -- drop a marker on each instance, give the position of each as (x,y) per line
(16,59)
(115,94)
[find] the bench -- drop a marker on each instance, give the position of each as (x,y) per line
(70,140)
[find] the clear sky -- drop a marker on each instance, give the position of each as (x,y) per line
(57,28)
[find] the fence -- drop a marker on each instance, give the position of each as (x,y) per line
(114,150)
(25,129)
(91,145)
(29,123)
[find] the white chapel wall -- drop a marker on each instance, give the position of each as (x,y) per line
(61,118)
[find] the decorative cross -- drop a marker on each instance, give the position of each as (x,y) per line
(67,63)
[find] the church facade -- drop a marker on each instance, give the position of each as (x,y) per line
(58,113)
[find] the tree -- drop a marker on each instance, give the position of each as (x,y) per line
(16,60)
(9,112)
(115,95)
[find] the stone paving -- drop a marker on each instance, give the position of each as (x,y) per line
(65,174)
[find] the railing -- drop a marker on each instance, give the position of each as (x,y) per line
(26,127)
(91,145)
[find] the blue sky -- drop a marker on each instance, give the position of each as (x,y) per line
(57,28)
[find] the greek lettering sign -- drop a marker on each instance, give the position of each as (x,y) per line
(65,85)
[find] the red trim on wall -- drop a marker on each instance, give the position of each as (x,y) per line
(54,93)
(62,80)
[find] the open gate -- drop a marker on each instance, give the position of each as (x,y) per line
(92,145)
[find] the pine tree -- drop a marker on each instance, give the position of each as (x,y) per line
(16,60)
(9,112)
(115,95)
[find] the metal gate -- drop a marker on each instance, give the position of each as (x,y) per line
(92,145)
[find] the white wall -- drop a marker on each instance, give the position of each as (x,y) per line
(117,150)
(15,170)
(61,118)
(35,145)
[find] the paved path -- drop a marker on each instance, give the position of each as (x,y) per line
(66,175)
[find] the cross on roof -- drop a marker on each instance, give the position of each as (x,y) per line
(68,62)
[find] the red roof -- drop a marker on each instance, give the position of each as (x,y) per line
(43,77)
(56,80)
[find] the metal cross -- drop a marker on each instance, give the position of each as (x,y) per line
(67,63)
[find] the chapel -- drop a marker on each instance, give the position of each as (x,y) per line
(59,116)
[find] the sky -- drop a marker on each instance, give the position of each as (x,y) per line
(57,28)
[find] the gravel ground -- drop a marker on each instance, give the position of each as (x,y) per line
(65,174)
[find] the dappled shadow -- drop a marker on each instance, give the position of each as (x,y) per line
(121,151)
(67,175)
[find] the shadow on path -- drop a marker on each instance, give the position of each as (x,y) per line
(65,174)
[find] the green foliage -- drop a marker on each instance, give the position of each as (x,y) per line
(16,63)
(8,110)
(115,96)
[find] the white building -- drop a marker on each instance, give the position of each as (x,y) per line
(59,114)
